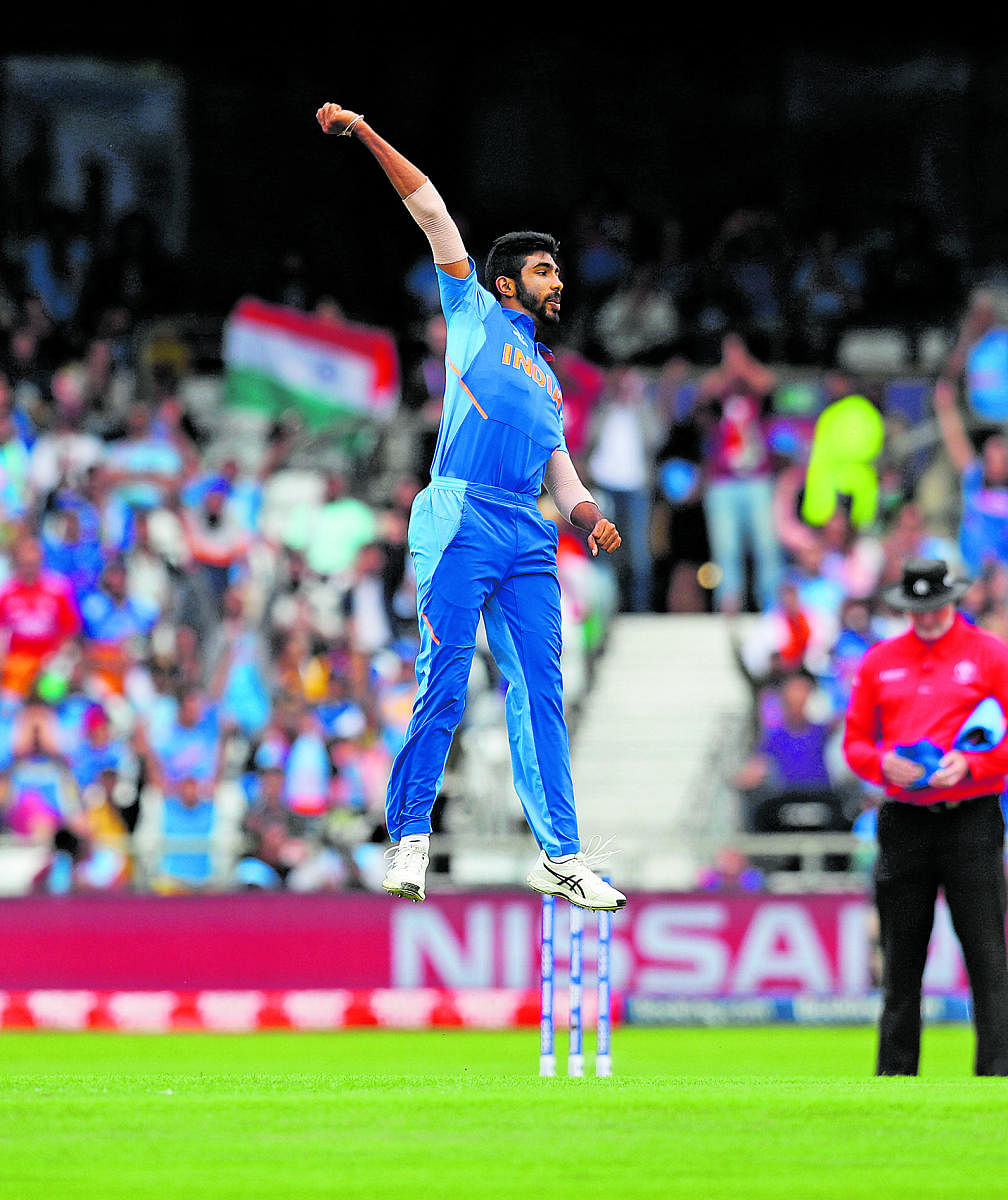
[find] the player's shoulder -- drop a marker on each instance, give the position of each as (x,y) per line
(465,291)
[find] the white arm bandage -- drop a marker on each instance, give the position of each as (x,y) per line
(564,484)
(430,212)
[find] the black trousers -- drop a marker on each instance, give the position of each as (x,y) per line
(960,850)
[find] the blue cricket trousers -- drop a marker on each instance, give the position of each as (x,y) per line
(478,550)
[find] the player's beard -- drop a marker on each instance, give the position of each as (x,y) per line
(540,313)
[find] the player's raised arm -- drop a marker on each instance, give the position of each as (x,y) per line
(414,188)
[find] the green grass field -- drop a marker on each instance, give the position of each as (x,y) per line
(779,1111)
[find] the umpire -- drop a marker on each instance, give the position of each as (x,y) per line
(925,722)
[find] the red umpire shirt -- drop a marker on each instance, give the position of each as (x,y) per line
(908,689)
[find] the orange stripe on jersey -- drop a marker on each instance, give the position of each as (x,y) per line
(436,640)
(467,392)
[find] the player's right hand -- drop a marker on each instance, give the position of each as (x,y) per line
(333,118)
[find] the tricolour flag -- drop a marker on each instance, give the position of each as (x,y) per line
(276,358)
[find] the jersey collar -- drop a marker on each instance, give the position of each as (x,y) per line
(525,323)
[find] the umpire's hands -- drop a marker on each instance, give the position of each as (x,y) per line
(903,772)
(899,770)
(952,769)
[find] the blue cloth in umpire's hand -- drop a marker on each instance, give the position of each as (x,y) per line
(927,754)
(983,729)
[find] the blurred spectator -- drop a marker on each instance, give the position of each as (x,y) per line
(104,858)
(106,386)
(278,839)
(245,695)
(171,419)
(731,872)
(39,614)
(190,746)
(679,526)
(242,487)
(370,619)
(331,532)
(15,459)
(851,557)
(638,323)
(983,526)
(153,574)
(300,598)
(299,668)
(308,768)
(582,384)
(144,467)
(96,747)
(188,824)
(398,575)
(625,434)
(40,797)
(71,538)
(217,543)
(857,632)
(339,712)
(116,627)
(425,385)
(907,535)
(65,451)
(738,487)
(26,369)
(796,537)
(786,784)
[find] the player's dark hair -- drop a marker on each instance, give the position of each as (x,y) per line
(508,254)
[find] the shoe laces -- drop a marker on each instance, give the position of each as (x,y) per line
(405,849)
(597,853)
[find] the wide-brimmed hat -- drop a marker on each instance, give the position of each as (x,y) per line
(927,584)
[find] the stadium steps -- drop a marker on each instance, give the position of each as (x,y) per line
(661,727)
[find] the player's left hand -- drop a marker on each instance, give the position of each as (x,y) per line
(952,769)
(604,536)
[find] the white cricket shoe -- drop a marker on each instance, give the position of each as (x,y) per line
(408,868)
(573,878)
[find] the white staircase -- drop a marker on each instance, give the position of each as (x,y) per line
(662,725)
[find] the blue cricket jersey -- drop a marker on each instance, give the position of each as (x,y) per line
(482,551)
(503,407)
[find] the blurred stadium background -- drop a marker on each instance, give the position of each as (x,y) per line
(222,370)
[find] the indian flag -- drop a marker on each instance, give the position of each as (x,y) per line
(277,358)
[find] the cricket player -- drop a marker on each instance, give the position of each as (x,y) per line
(480,546)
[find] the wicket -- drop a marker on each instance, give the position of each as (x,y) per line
(603,1021)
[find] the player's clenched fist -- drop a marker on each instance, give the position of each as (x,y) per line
(333,118)
(604,536)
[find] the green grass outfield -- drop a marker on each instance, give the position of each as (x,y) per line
(776,1111)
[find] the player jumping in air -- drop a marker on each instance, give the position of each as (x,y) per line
(480,546)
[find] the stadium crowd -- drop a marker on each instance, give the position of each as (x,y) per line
(196,698)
